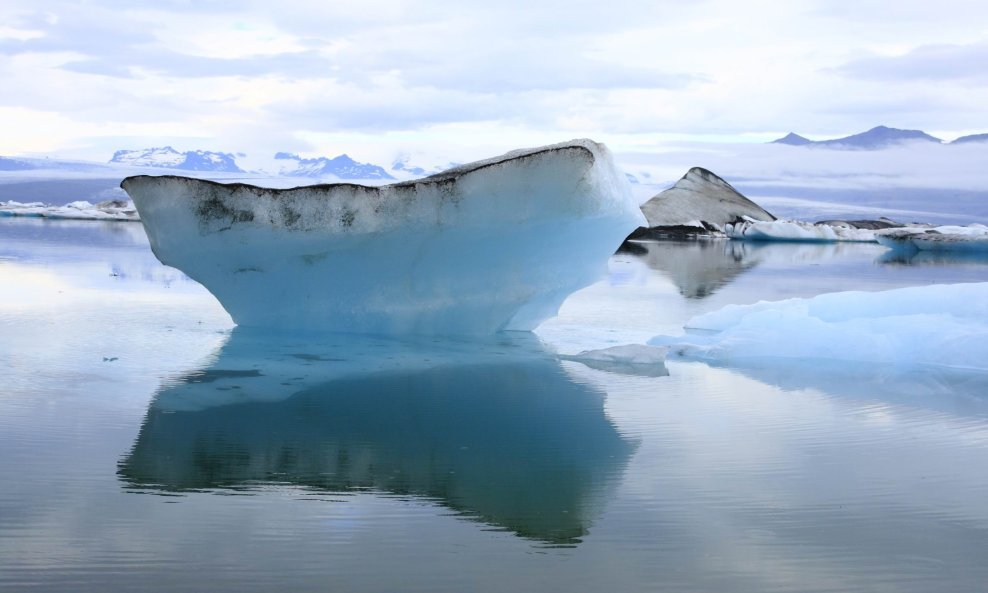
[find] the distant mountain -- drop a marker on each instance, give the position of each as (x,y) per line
(401,164)
(971,138)
(168,157)
(874,139)
(7,164)
(342,167)
(792,140)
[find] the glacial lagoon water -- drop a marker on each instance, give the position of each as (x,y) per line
(147,445)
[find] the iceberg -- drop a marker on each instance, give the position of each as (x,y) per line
(750,229)
(488,246)
(940,325)
(971,238)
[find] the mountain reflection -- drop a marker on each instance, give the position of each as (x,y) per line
(496,430)
(698,268)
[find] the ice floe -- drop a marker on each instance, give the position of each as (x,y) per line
(750,229)
(79,210)
(941,325)
(492,245)
(971,238)
(628,359)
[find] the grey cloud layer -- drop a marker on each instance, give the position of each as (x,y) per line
(581,67)
(439,65)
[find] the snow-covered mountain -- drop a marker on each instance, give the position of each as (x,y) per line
(874,139)
(341,167)
(402,165)
(169,158)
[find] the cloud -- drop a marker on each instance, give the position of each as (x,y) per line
(961,63)
(572,68)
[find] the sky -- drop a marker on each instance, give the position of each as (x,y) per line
(82,79)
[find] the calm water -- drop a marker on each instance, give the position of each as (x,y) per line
(147,445)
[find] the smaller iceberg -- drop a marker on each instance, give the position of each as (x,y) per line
(79,210)
(628,359)
(749,229)
(940,325)
(971,238)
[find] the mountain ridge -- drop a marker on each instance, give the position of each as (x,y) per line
(874,139)
(169,158)
(341,167)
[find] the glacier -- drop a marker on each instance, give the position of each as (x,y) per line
(488,246)
(944,325)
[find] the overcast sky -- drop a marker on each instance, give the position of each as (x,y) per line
(82,79)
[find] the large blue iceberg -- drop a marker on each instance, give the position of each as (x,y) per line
(489,246)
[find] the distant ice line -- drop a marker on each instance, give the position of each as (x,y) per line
(116,210)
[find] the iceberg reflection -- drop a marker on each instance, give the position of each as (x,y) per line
(957,392)
(494,430)
(915,257)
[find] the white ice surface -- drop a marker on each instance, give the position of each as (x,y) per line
(940,325)
(494,245)
(795,230)
(78,210)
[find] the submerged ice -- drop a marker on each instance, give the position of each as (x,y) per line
(492,245)
(940,325)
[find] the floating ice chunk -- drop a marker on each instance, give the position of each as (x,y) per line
(971,238)
(795,230)
(943,325)
(493,245)
(79,210)
(629,359)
